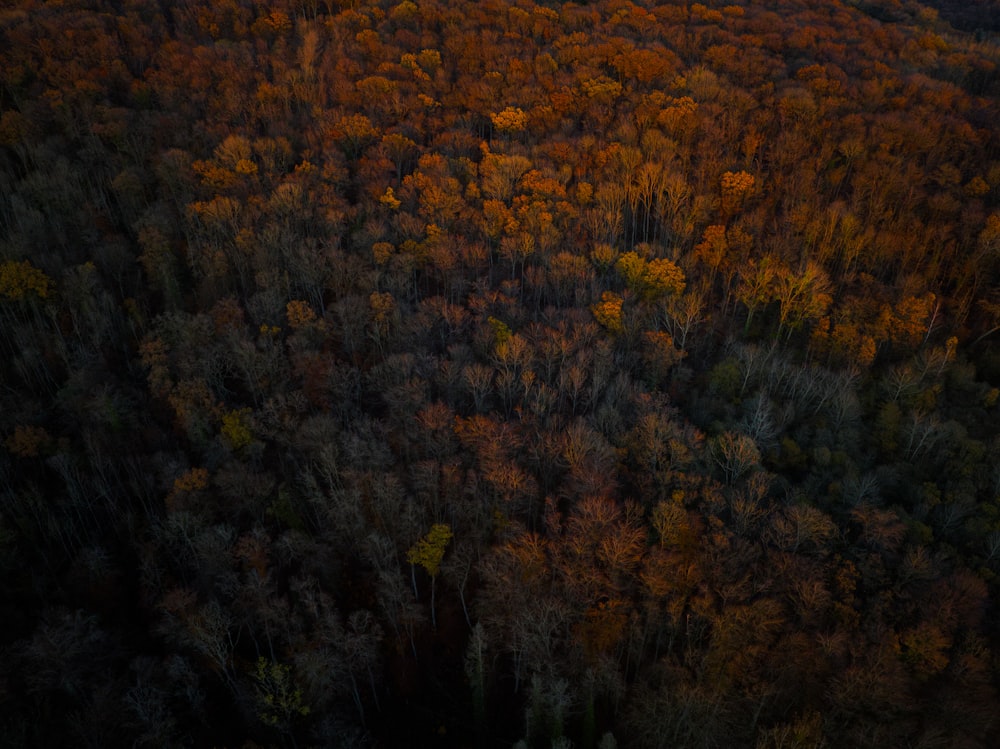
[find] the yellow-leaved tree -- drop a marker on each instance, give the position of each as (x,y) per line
(236,428)
(279,700)
(510,120)
(651,279)
(608,312)
(21,279)
(428,553)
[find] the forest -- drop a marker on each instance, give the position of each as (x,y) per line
(533,374)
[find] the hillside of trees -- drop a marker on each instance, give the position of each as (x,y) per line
(460,374)
(977,16)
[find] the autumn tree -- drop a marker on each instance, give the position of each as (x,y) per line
(428,553)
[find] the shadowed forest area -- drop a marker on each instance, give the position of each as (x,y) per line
(461,374)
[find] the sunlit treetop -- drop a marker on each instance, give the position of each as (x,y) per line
(510,120)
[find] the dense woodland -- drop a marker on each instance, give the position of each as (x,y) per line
(453,373)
